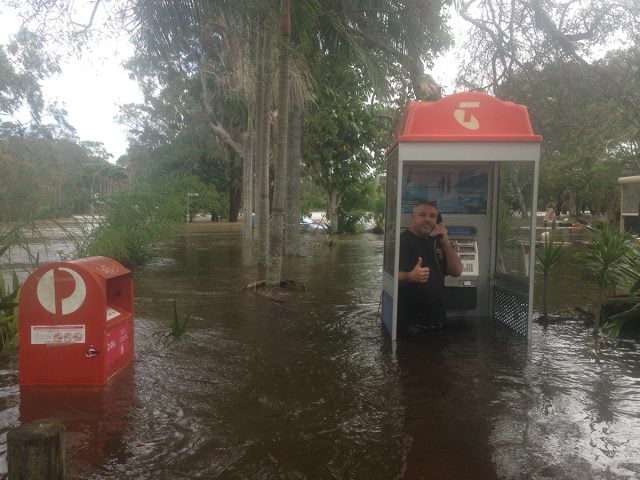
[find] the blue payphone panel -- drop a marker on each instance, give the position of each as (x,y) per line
(461,293)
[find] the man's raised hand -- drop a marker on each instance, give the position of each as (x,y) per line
(419,274)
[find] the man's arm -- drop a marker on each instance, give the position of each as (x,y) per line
(454,265)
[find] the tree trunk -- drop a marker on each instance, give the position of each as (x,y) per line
(247,185)
(292,231)
(235,195)
(524,208)
(262,148)
(276,243)
(424,86)
(334,201)
(573,207)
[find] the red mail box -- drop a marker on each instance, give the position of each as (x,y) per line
(75,323)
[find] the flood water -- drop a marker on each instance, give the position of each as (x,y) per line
(313,388)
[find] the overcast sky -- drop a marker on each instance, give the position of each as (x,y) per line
(92,90)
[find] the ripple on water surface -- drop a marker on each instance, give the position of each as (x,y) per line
(313,388)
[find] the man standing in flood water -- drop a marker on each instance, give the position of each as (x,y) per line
(426,256)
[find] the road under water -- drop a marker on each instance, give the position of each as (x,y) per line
(313,388)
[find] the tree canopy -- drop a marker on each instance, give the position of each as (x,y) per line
(285,90)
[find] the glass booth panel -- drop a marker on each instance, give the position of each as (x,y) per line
(513,244)
(513,231)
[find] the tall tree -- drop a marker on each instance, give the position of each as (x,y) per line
(24,64)
(209,48)
(342,132)
(279,178)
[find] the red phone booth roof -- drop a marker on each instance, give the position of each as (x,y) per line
(466,117)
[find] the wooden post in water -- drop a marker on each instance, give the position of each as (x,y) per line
(35,451)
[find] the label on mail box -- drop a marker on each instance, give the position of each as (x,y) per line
(112,313)
(117,342)
(57,334)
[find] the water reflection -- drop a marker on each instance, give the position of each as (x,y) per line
(313,388)
(95,419)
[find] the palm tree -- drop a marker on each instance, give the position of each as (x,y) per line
(606,250)
(263,129)
(274,271)
(627,305)
(219,40)
(548,257)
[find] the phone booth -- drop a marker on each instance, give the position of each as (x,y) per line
(477,158)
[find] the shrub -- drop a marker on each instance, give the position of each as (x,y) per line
(129,225)
(606,252)
(548,257)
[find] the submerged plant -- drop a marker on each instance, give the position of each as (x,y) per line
(128,226)
(178,327)
(8,313)
(605,254)
(9,238)
(548,257)
(507,235)
(627,305)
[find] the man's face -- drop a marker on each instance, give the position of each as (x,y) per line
(424,219)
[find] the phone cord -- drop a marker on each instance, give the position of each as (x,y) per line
(435,255)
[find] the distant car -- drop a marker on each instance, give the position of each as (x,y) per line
(308,225)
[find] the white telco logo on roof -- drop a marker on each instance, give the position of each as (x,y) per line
(472,123)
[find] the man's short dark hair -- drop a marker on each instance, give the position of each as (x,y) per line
(426,203)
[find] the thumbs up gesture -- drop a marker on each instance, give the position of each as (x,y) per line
(419,274)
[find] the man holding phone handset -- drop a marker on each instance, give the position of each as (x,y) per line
(426,256)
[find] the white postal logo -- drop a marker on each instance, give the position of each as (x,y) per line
(460,115)
(49,292)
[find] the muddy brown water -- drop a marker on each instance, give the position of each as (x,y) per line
(314,389)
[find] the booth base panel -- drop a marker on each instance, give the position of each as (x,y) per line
(461,298)
(480,323)
(511,309)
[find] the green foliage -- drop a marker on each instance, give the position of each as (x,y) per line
(196,163)
(361,201)
(9,314)
(8,295)
(207,200)
(587,125)
(344,139)
(627,305)
(45,178)
(605,252)
(507,235)
(312,198)
(24,63)
(606,248)
(548,257)
(178,327)
(131,223)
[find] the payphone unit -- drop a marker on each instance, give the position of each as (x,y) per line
(462,292)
